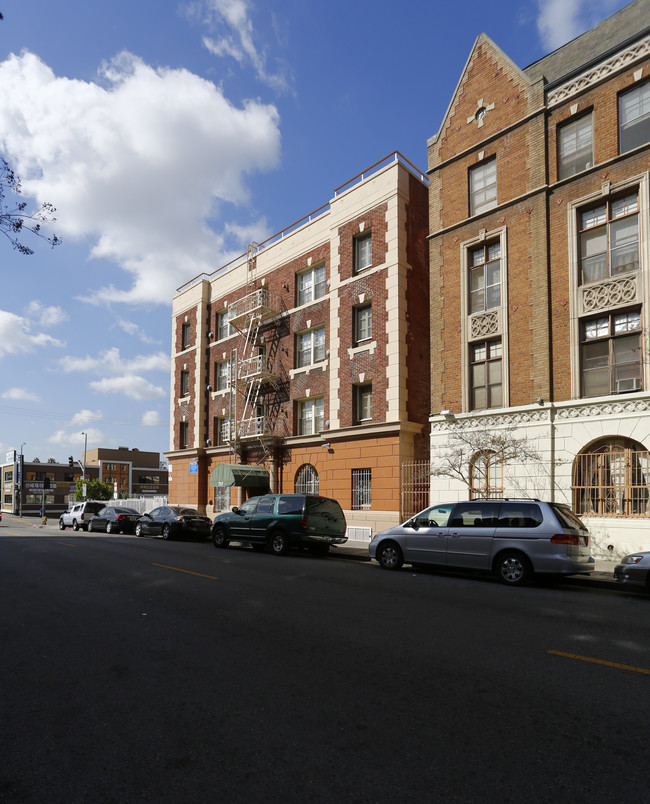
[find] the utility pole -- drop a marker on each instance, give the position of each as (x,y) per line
(20,476)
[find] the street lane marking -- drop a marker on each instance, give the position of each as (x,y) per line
(600,661)
(188,572)
(68,544)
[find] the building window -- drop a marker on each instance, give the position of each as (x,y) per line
(311,416)
(311,285)
(362,252)
(361,489)
(486,375)
(485,277)
(222,498)
(609,239)
(486,476)
(575,147)
(634,118)
(310,347)
(224,430)
(184,431)
(612,479)
(483,187)
(222,375)
(362,323)
(363,402)
(224,329)
(185,383)
(307,480)
(611,354)
(185,335)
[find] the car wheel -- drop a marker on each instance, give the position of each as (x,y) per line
(61,525)
(279,543)
(219,537)
(513,568)
(138,529)
(109,527)
(390,556)
(90,527)
(75,525)
(166,532)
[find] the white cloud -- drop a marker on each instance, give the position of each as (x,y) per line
(234,35)
(66,438)
(136,331)
(151,418)
(16,336)
(559,21)
(132,386)
(138,164)
(110,361)
(21,394)
(46,316)
(85,416)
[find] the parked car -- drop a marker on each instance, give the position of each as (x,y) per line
(79,514)
(170,521)
(114,519)
(283,521)
(511,538)
(634,569)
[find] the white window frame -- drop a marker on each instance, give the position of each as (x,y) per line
(310,347)
(224,328)
(311,284)
(363,402)
(185,383)
(362,323)
(483,186)
(222,375)
(311,415)
(362,252)
(575,146)
(186,335)
(633,111)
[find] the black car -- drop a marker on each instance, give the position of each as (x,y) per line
(114,519)
(171,521)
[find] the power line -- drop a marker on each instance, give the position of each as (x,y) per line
(65,417)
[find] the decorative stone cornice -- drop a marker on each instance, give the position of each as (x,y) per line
(603,295)
(615,64)
(613,408)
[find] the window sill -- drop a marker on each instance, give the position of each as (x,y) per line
(366,346)
(308,369)
(184,399)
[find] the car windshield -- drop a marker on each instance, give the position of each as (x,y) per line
(126,511)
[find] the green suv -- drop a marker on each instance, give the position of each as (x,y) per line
(283,521)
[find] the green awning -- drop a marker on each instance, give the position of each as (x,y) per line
(249,476)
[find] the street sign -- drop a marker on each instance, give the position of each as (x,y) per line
(194,467)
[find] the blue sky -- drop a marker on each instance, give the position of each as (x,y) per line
(169,134)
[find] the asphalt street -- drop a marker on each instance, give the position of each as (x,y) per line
(139,670)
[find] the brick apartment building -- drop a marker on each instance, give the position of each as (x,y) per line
(303,366)
(540,274)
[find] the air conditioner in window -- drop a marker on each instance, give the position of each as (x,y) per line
(629,384)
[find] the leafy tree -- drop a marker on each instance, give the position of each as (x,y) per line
(36,460)
(16,219)
(51,460)
(95,490)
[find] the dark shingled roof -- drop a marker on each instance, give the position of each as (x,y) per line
(628,24)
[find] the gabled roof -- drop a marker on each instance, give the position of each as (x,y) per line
(480,39)
(630,23)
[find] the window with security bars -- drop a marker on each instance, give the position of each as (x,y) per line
(575,147)
(311,285)
(485,277)
(222,498)
(634,118)
(609,239)
(307,480)
(483,187)
(486,476)
(361,489)
(611,354)
(612,479)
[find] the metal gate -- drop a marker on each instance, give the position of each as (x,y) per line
(415,488)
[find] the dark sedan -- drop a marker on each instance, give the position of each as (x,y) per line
(634,569)
(172,521)
(114,519)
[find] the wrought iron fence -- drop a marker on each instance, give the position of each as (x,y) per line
(415,487)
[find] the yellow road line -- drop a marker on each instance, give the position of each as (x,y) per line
(188,572)
(600,661)
(68,544)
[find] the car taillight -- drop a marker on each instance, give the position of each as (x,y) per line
(121,516)
(82,516)
(303,523)
(563,538)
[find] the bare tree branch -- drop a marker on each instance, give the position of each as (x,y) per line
(16,219)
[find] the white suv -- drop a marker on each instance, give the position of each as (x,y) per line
(78,515)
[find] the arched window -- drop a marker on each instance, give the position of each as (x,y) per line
(486,476)
(307,480)
(611,478)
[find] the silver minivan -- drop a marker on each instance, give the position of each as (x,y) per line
(511,538)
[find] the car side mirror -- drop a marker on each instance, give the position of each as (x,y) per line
(410,524)
(235,509)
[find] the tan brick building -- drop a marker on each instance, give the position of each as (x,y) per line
(540,273)
(309,357)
